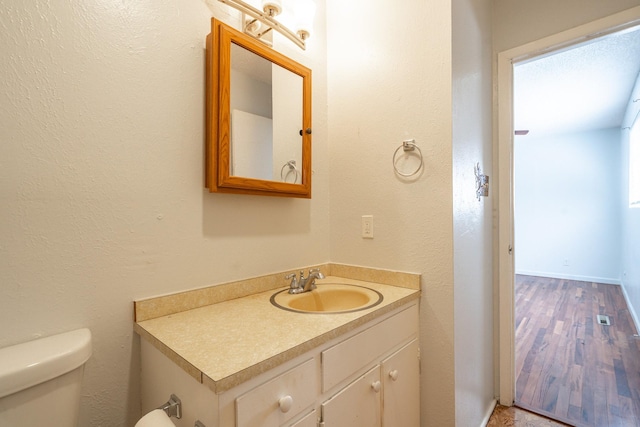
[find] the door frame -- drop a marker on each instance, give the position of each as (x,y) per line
(503,143)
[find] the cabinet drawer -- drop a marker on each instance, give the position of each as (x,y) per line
(280,399)
(347,357)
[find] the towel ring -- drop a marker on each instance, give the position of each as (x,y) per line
(407,146)
(292,168)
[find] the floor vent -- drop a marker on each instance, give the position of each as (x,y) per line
(603,320)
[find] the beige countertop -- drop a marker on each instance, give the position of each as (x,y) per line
(227,343)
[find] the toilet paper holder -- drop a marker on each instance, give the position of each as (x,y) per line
(173,407)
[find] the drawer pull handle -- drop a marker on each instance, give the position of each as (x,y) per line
(285,403)
(376,386)
(393,374)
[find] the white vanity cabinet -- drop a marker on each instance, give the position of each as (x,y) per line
(388,393)
(284,396)
(366,377)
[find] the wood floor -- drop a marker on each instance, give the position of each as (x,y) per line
(568,366)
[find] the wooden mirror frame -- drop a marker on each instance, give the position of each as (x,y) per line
(218,117)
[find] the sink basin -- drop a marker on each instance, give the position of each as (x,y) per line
(328,298)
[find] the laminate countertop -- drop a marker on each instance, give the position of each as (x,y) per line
(225,344)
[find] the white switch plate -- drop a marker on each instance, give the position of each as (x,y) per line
(367,226)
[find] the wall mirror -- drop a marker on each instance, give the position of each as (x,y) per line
(258,118)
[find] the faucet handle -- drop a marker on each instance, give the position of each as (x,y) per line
(301,275)
(294,280)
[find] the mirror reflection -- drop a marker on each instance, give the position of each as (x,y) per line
(266,119)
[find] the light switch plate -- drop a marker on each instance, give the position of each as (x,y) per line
(367,226)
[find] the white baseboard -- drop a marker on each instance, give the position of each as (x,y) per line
(605,280)
(490,408)
(632,311)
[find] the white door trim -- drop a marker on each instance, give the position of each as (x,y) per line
(504,146)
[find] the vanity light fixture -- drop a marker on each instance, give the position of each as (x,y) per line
(257,23)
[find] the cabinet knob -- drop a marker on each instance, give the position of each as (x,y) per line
(393,374)
(285,403)
(376,386)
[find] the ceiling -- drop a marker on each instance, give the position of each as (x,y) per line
(581,89)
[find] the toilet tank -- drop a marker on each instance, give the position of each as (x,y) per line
(40,380)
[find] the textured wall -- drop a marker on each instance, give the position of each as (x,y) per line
(517,22)
(101,179)
(101,174)
(567,205)
(630,216)
(389,80)
(472,219)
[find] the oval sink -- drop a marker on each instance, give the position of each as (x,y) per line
(328,298)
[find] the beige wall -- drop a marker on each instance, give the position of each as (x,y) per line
(472,218)
(428,78)
(517,22)
(102,170)
(101,179)
(389,80)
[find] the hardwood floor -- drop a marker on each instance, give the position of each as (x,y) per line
(568,366)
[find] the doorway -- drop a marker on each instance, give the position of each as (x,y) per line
(507,265)
(567,226)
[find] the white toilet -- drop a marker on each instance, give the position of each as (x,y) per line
(40,380)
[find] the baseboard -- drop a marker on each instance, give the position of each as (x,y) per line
(632,310)
(487,416)
(604,280)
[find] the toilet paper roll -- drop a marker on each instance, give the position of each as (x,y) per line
(155,418)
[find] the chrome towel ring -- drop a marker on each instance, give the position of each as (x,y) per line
(407,146)
(292,169)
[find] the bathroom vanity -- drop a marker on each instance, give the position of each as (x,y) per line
(246,362)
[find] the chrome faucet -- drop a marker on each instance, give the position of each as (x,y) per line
(305,284)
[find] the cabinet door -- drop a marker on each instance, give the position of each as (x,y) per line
(358,404)
(401,391)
